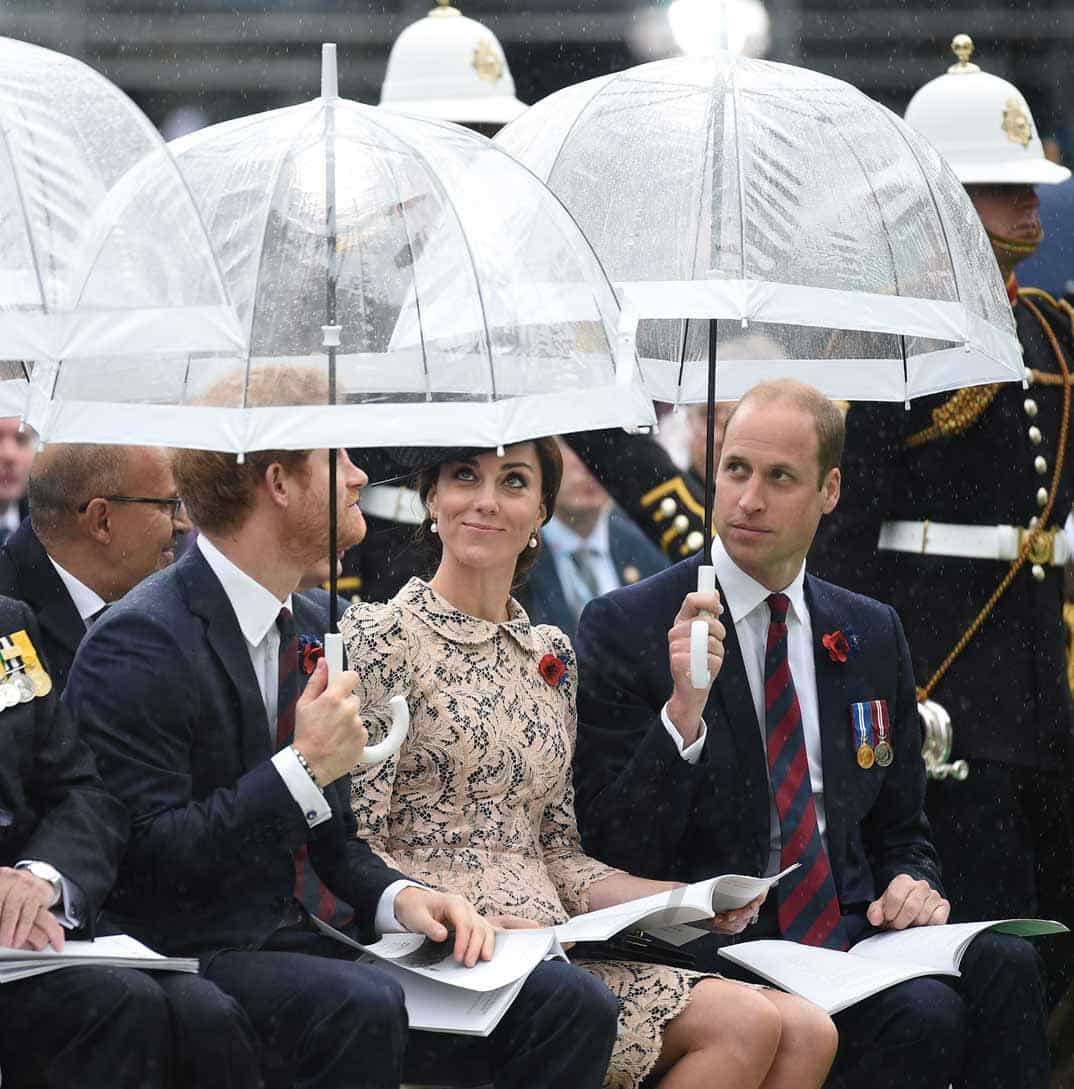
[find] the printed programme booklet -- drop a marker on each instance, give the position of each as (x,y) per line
(444,996)
(115,950)
(835,980)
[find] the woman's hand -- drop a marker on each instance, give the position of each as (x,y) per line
(734,922)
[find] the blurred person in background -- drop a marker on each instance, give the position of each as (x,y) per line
(17,447)
(102,518)
(591,547)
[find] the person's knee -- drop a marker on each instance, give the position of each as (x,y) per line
(809,1031)
(930,1016)
(361,1005)
(736,1017)
(564,991)
(992,960)
(130,997)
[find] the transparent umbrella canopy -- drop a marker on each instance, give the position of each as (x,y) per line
(821,235)
(83,275)
(445,293)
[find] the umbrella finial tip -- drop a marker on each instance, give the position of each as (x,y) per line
(962,47)
(329,78)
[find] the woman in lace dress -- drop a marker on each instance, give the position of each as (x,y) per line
(479,799)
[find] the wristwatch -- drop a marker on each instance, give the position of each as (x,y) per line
(51,875)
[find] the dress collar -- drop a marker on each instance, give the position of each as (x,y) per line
(742,593)
(419,598)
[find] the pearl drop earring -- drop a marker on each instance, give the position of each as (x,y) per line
(533,540)
(433,528)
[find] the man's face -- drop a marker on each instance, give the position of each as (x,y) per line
(1008,211)
(16,456)
(142,533)
(580,491)
(308,517)
(768,505)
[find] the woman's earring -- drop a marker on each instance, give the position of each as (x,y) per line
(433,527)
(533,539)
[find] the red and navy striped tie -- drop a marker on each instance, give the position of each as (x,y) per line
(310,891)
(808,906)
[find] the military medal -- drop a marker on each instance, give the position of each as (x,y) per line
(863,736)
(884,752)
(35,671)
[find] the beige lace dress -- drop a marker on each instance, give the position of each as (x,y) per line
(479,800)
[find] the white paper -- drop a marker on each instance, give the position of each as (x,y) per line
(116,950)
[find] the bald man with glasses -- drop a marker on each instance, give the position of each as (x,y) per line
(102,518)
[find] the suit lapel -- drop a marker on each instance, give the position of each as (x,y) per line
(731,693)
(833,703)
(208,600)
(44,589)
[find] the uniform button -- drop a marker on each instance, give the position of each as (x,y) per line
(668,506)
(1035,436)
(681,523)
(1034,522)
(695,540)
(1030,406)
(1042,496)
(1038,572)
(1040,465)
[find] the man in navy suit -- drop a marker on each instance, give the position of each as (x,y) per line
(237,781)
(102,518)
(806,749)
(591,547)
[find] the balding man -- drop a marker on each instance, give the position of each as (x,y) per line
(102,518)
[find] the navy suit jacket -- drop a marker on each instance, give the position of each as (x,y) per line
(27,574)
(642,807)
(53,806)
(543,597)
(165,693)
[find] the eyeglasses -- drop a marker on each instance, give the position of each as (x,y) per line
(172,502)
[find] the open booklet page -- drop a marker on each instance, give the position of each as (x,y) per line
(116,950)
(835,980)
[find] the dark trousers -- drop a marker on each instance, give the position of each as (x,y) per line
(124,1029)
(328,1023)
(984,1030)
(1005,840)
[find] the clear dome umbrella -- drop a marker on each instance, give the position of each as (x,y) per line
(761,220)
(81,275)
(444,294)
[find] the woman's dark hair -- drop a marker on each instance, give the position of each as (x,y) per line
(550,462)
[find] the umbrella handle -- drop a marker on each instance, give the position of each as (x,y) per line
(373,754)
(700,677)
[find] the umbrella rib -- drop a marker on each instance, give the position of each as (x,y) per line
(574,124)
(450,204)
(741,178)
(19,190)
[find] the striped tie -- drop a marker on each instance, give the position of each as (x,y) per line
(808,906)
(310,891)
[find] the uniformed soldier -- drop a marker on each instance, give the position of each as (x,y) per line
(452,68)
(953,511)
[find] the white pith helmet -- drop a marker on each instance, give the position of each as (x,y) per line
(982,126)
(451,68)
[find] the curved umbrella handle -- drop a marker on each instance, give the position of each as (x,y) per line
(372,754)
(699,633)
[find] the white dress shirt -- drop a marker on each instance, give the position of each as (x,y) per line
(256,610)
(746,606)
(562,542)
(86,601)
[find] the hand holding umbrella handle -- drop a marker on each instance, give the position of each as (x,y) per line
(373,754)
(699,633)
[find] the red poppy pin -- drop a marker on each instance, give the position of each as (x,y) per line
(309,652)
(553,669)
(840,644)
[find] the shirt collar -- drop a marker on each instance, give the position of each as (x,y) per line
(87,602)
(742,593)
(562,540)
(256,608)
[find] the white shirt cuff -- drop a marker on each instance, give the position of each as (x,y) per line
(67,908)
(303,789)
(692,753)
(385,921)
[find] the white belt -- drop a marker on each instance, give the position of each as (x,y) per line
(393,503)
(972,542)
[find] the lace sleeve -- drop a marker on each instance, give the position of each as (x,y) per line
(378,651)
(571,869)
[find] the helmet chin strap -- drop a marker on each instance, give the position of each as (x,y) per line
(1010,251)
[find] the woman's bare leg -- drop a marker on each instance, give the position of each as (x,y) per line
(728,1036)
(807,1044)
